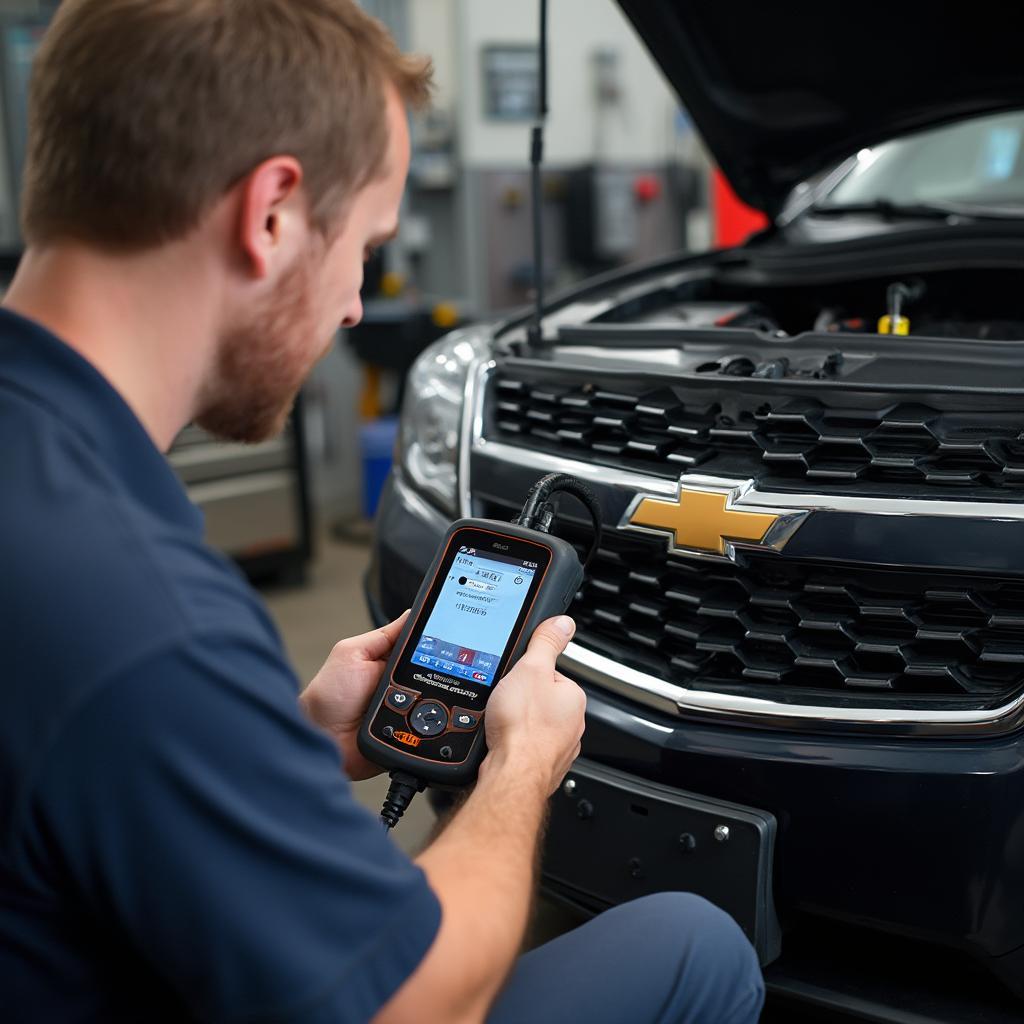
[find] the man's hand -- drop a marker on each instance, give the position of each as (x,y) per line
(534,723)
(337,698)
(535,716)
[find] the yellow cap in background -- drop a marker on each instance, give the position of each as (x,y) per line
(445,315)
(392,285)
(894,325)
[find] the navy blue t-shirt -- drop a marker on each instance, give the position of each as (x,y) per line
(177,842)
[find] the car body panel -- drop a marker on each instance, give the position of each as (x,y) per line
(920,839)
(779,96)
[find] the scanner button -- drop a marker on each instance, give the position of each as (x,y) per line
(400,700)
(464,719)
(429,718)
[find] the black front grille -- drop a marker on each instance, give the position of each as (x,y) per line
(669,428)
(777,628)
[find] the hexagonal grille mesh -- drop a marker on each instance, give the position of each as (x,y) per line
(767,626)
(666,429)
(807,630)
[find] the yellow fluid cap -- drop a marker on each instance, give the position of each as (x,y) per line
(886,325)
(392,285)
(445,315)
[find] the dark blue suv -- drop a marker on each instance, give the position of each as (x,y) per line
(802,641)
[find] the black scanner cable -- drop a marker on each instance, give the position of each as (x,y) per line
(400,793)
(538,514)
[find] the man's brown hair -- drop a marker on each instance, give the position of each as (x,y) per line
(144,113)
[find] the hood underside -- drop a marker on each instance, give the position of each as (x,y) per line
(779,92)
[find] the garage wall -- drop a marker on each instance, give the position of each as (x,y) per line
(639,132)
(431,25)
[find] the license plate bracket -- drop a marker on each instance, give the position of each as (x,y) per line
(613,837)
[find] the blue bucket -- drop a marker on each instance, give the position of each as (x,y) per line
(376,447)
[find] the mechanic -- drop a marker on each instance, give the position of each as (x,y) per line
(179,840)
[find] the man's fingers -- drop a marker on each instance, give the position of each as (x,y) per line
(392,629)
(560,678)
(551,638)
(376,645)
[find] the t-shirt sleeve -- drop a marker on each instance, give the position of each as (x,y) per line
(197,812)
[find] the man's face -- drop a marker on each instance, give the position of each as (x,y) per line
(263,362)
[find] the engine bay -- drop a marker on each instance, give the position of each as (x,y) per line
(929,330)
(970,304)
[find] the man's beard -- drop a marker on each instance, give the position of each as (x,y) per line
(261,365)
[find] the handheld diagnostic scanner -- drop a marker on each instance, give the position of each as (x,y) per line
(489,587)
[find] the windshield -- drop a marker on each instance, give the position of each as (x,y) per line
(972,163)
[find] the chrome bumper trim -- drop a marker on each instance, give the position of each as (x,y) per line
(730,709)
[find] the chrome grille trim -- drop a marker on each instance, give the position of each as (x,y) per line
(752,499)
(596,669)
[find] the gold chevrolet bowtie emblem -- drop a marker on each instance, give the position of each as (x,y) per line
(708,520)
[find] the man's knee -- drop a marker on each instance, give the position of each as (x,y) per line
(671,958)
(718,936)
(715,957)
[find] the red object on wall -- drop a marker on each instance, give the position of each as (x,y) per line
(735,222)
(646,188)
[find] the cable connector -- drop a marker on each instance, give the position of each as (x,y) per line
(545,517)
(538,512)
(400,793)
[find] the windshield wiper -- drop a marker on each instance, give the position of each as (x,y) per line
(918,211)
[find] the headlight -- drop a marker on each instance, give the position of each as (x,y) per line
(432,413)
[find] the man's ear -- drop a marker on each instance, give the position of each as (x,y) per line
(272,215)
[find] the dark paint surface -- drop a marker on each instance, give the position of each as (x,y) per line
(918,838)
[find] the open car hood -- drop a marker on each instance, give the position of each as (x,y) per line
(780,91)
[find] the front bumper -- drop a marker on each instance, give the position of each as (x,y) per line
(917,839)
